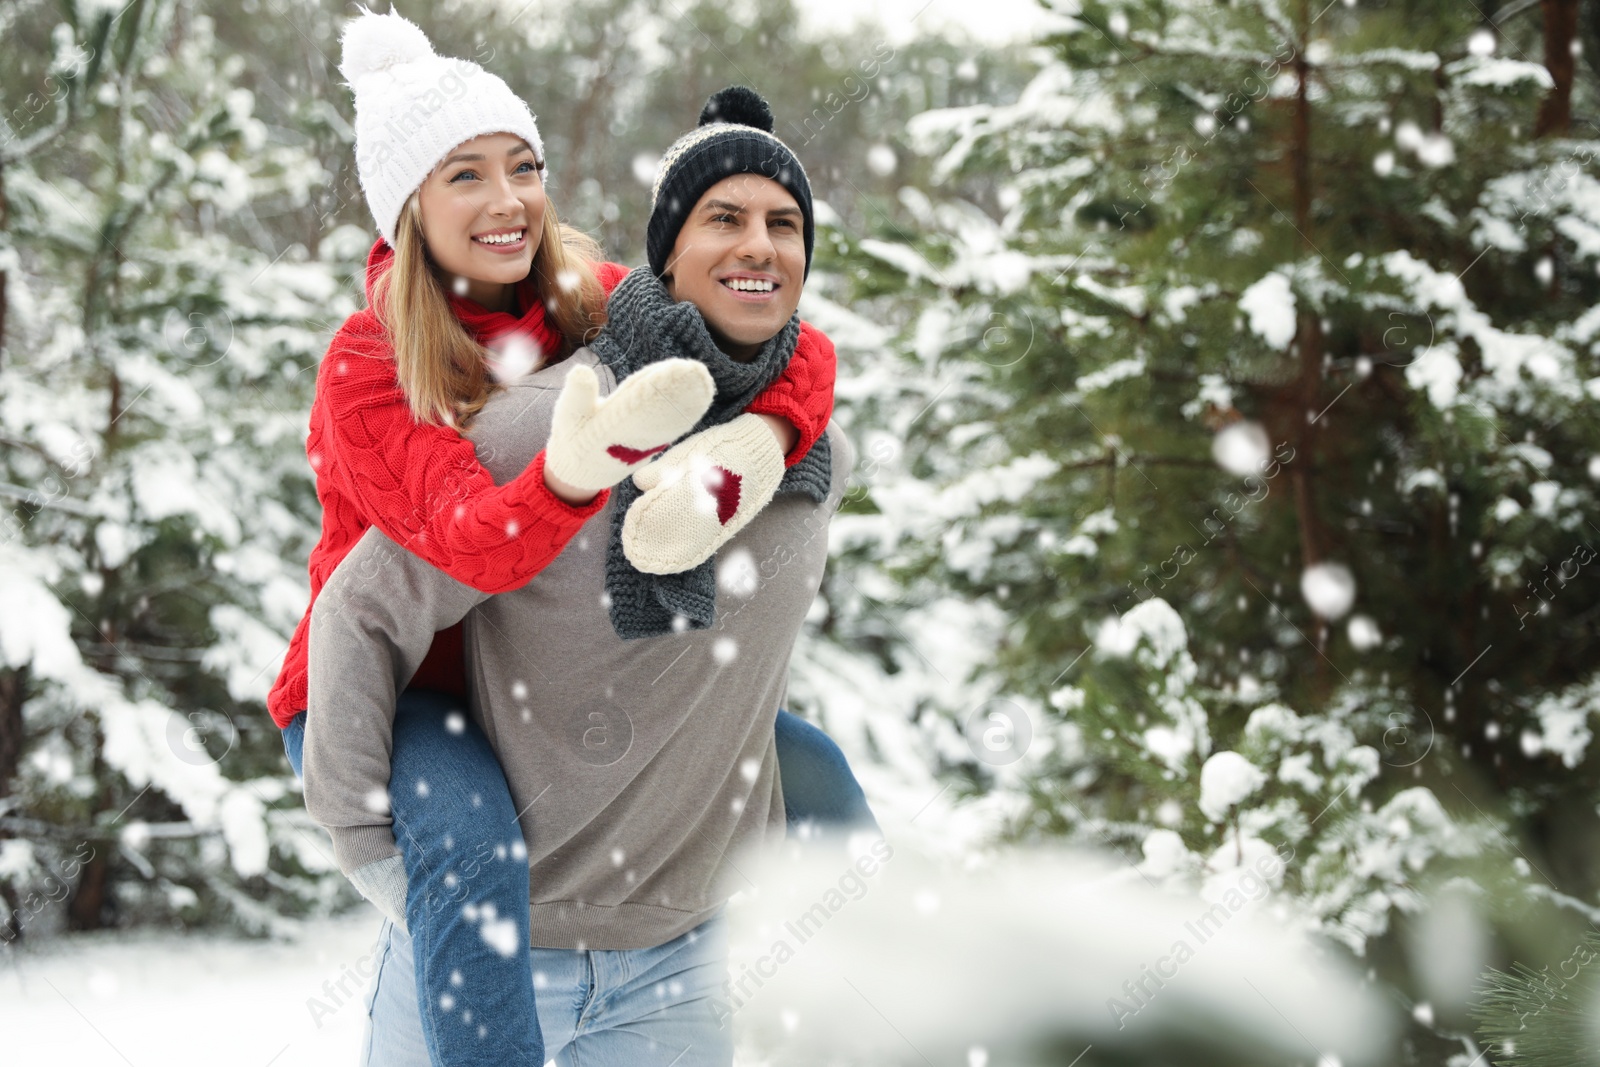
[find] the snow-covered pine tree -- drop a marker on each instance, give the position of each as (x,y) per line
(1279,449)
(891,651)
(157,505)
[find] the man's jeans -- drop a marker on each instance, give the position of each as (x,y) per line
(650,1007)
(467,870)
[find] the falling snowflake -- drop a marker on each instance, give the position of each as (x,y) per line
(1436,150)
(1329,588)
(737,574)
(1363,633)
(499,934)
(1242,448)
(644,168)
(514,357)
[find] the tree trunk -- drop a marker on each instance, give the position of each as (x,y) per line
(1560,31)
(13,685)
(87,907)
(1305,391)
(86,910)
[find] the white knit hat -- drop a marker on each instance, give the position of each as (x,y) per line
(413,107)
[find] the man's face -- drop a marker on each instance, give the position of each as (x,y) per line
(741,259)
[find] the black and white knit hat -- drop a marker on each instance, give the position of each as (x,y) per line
(734,137)
(414,106)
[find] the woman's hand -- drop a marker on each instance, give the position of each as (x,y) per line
(595,443)
(700,494)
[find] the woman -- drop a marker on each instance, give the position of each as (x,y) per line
(651,763)
(472,258)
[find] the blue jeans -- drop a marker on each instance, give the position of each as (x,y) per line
(821,796)
(648,1007)
(467,877)
(467,872)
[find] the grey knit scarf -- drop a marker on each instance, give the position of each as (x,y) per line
(646,325)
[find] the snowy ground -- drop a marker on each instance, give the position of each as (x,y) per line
(951,960)
(153,999)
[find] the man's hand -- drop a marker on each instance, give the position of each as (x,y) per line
(701,493)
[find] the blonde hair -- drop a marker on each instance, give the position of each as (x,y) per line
(443,371)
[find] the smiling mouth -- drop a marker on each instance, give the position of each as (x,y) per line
(749,285)
(501,238)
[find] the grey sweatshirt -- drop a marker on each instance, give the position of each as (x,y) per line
(639,767)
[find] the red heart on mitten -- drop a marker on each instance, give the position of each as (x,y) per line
(624,454)
(724,486)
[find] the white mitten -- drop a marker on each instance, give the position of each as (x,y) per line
(595,443)
(700,494)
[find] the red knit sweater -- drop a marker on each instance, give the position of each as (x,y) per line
(422,485)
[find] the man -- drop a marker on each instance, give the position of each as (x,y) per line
(630,689)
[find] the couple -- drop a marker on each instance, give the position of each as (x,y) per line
(536,740)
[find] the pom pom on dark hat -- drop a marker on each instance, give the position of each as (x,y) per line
(739,105)
(734,137)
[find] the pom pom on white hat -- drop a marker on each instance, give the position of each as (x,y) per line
(414,106)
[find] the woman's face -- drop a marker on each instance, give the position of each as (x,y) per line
(482,214)
(741,259)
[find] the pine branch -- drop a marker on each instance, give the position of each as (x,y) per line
(1541,1019)
(1513,11)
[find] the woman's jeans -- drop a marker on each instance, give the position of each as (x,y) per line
(649,1007)
(467,870)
